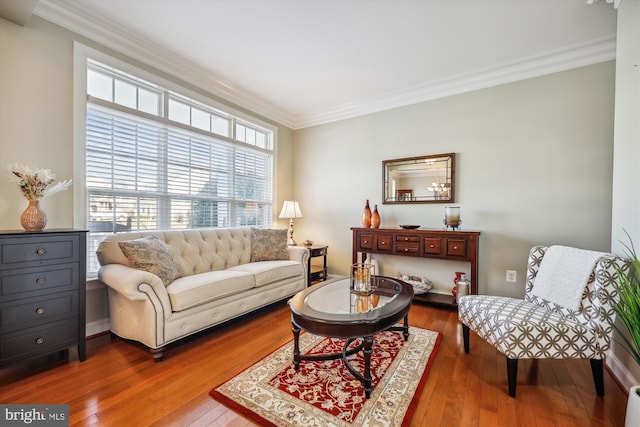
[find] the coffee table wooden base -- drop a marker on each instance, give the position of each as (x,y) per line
(366,346)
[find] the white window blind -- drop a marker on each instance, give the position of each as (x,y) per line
(156,165)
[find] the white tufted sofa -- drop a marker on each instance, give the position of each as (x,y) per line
(217,283)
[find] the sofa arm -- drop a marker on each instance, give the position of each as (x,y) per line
(299,254)
(135,285)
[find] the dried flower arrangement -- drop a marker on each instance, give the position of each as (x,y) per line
(34,182)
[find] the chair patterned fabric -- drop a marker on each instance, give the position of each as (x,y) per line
(523,330)
(533,328)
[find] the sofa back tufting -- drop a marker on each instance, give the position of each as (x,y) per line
(196,251)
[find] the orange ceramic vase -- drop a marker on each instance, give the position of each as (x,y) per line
(366,215)
(375,217)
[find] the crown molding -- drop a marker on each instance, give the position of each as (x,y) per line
(72,16)
(529,67)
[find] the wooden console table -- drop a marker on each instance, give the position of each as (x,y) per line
(441,244)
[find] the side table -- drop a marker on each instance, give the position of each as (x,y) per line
(316,273)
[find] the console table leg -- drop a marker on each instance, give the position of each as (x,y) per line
(296,346)
(367,349)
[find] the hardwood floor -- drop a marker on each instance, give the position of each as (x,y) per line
(120,385)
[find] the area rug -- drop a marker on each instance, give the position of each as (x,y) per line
(324,393)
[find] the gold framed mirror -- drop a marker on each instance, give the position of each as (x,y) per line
(423,179)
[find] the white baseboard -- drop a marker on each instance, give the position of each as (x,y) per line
(97,327)
(621,372)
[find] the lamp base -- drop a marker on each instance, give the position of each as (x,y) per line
(291,242)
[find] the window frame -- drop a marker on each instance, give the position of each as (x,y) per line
(82,56)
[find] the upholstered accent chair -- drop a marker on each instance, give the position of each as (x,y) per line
(537,328)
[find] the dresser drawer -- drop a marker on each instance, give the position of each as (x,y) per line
(34,311)
(39,340)
(36,250)
(457,247)
(20,283)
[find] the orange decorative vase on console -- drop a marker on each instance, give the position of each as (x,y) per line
(375,217)
(33,218)
(366,215)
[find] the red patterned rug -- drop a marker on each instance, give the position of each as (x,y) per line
(273,393)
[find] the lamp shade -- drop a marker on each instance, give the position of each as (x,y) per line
(290,209)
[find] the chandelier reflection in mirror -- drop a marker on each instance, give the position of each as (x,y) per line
(424,179)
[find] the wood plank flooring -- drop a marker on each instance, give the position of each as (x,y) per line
(120,385)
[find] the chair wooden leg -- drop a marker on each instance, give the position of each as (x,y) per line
(597,369)
(465,337)
(512,373)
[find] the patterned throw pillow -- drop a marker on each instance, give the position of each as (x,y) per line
(268,244)
(151,254)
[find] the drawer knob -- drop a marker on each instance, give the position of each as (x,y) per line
(366,241)
(40,281)
(406,250)
(40,340)
(384,243)
(455,247)
(431,246)
(40,310)
(41,251)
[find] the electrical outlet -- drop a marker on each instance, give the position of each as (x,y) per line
(512,276)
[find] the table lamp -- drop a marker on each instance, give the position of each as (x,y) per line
(290,209)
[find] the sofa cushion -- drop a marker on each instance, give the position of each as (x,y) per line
(268,244)
(266,272)
(151,254)
(197,289)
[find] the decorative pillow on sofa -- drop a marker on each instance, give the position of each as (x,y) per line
(151,254)
(268,244)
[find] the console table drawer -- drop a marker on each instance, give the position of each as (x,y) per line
(384,242)
(366,241)
(407,249)
(456,247)
(407,239)
(432,246)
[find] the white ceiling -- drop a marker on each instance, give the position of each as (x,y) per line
(307,62)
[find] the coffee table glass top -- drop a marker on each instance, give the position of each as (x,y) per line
(335,298)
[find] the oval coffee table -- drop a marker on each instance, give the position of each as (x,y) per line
(330,310)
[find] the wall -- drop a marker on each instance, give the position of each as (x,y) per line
(533,166)
(36,128)
(626,177)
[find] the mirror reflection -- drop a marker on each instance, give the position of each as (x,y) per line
(424,179)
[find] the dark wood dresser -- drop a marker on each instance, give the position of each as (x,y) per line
(42,293)
(442,244)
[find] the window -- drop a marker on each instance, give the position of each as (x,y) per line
(157,159)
